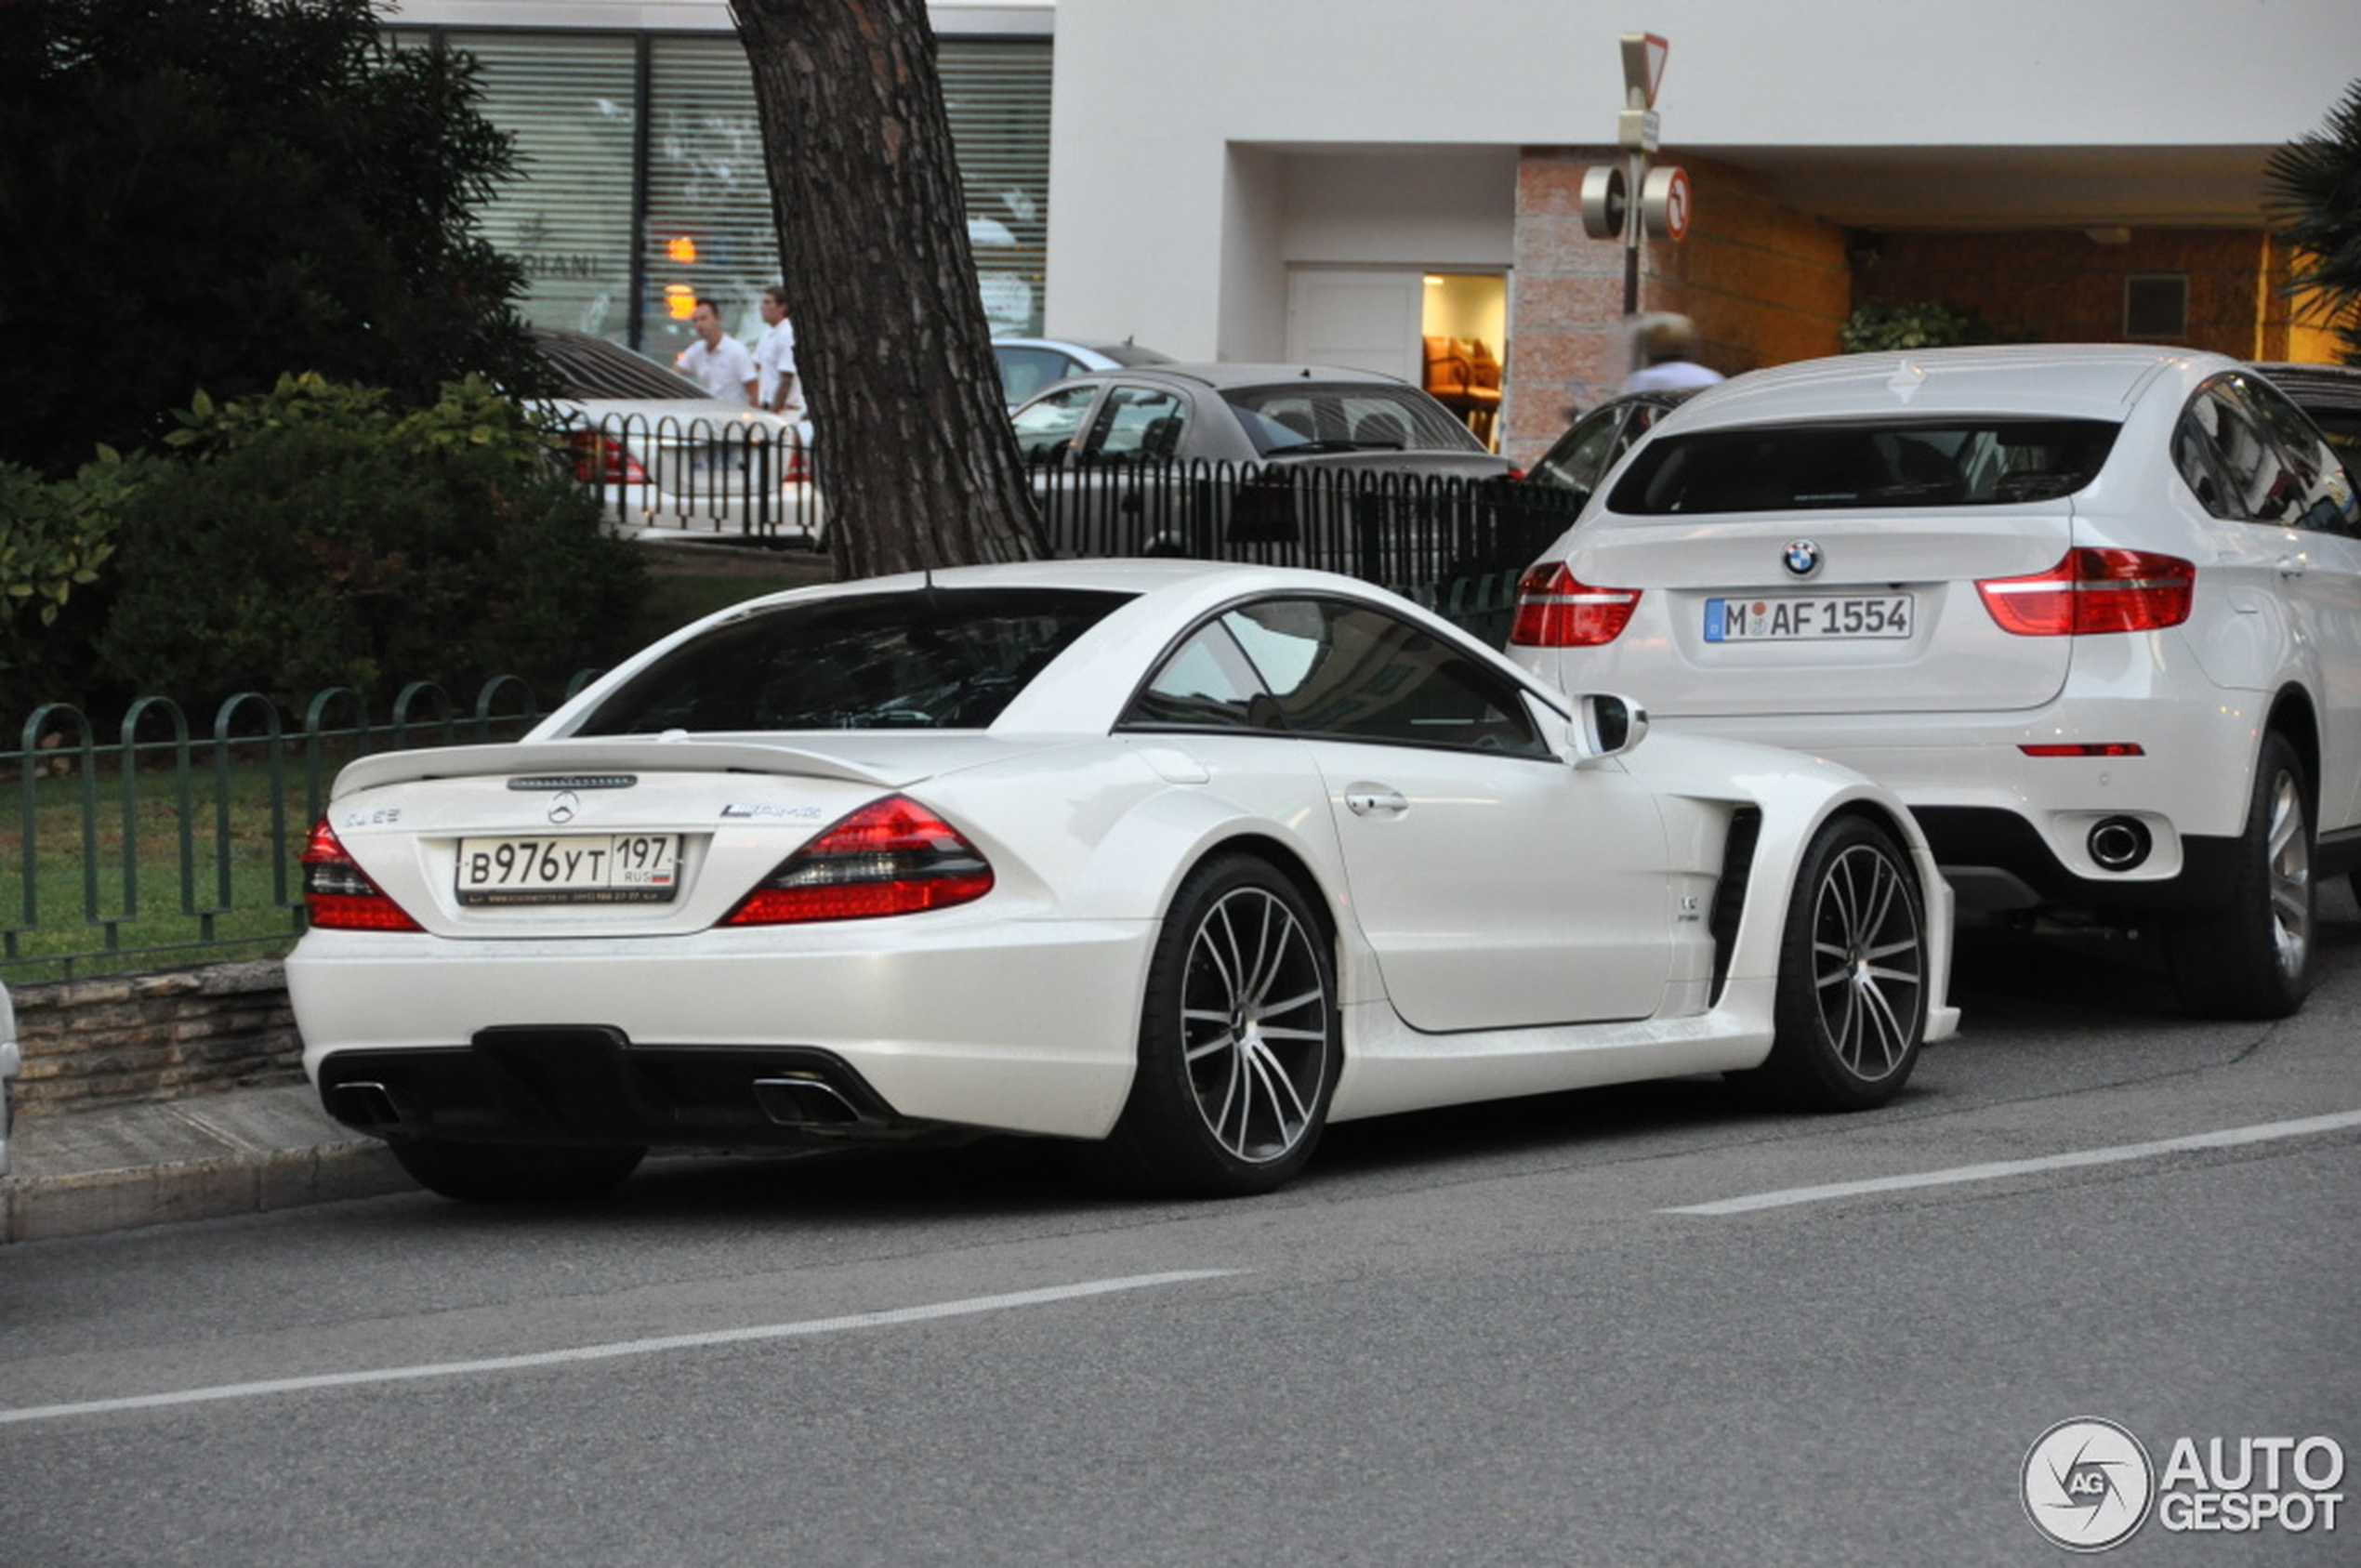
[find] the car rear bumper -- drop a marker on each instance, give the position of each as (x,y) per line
(1027,1027)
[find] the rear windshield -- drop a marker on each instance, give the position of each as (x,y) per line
(1316,416)
(941,659)
(1824,468)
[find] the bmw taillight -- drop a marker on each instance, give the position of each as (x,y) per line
(600,458)
(2094,590)
(892,857)
(1555,609)
(339,896)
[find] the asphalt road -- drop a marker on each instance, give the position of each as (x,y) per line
(1640,1327)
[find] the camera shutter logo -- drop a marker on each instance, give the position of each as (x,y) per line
(2087,1484)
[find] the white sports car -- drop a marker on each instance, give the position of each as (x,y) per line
(2094,612)
(1182,861)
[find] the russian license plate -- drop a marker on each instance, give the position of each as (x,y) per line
(571,868)
(1808,618)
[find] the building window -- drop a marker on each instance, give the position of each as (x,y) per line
(2156,305)
(640,185)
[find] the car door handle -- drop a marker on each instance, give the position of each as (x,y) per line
(1376,802)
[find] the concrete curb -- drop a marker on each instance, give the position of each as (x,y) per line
(243,1152)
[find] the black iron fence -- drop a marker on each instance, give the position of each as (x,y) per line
(1403,529)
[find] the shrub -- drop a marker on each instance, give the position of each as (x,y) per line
(314,538)
(55,538)
(1878,324)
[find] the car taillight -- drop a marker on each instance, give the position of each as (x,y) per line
(892,857)
(1555,609)
(2094,590)
(600,458)
(797,467)
(339,896)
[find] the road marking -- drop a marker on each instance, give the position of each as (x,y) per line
(2226,1139)
(624,1348)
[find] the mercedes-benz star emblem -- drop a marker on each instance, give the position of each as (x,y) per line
(1803,557)
(563,806)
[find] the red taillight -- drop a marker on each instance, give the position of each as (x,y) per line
(797,468)
(1555,609)
(892,857)
(339,896)
(600,458)
(2091,591)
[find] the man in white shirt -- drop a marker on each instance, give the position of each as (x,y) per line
(782,389)
(1663,346)
(718,361)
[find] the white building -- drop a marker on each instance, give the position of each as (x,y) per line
(1345,179)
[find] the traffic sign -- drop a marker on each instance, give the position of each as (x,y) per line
(1665,203)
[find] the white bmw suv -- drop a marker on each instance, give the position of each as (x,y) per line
(2093,611)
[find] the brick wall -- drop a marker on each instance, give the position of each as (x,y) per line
(123,1039)
(2061,286)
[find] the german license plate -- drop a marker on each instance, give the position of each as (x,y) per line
(1808,618)
(571,868)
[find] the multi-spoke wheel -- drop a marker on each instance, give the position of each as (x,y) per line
(1238,1040)
(1852,975)
(2252,958)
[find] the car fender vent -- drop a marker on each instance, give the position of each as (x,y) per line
(1730,889)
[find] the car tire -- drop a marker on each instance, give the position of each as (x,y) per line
(1853,970)
(501,1173)
(2252,958)
(1239,1041)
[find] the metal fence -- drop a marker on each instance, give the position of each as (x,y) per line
(1405,529)
(155,843)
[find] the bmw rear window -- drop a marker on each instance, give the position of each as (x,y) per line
(1835,466)
(948,659)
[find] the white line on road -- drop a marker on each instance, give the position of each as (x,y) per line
(2226,1137)
(624,1348)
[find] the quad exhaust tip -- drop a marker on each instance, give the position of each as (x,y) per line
(2120,843)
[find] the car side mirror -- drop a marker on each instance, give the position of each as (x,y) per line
(1605,725)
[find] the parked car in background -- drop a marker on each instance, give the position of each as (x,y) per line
(1027,364)
(11,1064)
(2330,397)
(1342,470)
(667,459)
(2091,611)
(1577,460)
(1180,862)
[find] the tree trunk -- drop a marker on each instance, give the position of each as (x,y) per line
(916,462)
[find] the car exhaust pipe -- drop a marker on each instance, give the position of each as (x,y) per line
(804,1102)
(362,1104)
(2120,843)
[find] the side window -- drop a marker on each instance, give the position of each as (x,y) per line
(1353,672)
(1047,429)
(1582,459)
(2255,481)
(1206,683)
(1139,423)
(2322,493)
(1024,371)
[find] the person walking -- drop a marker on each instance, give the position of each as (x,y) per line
(1665,347)
(718,361)
(781,389)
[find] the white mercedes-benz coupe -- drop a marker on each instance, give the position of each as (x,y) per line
(2093,611)
(1178,861)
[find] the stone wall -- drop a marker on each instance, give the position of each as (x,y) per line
(127,1040)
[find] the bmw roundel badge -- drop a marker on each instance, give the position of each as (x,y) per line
(1803,557)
